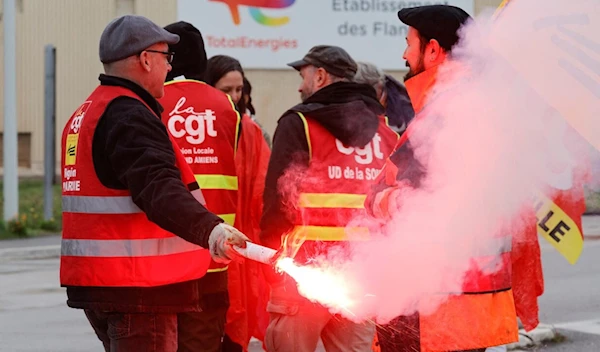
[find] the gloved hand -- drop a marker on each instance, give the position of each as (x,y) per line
(221,241)
(386,203)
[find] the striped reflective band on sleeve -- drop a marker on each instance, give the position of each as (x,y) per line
(331,233)
(332,200)
(126,248)
(217,182)
(99,205)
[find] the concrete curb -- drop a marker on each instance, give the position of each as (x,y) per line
(543,333)
(24,253)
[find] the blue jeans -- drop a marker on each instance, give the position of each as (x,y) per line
(123,332)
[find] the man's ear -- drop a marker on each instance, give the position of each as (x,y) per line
(320,76)
(145,61)
(434,49)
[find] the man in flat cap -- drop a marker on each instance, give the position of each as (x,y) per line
(135,236)
(310,196)
(483,314)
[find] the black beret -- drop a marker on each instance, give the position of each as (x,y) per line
(439,22)
(190,55)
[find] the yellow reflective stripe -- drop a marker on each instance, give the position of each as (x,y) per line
(228,218)
(217,270)
(331,233)
(332,200)
(307,134)
(387,120)
(183,80)
(237,124)
(217,182)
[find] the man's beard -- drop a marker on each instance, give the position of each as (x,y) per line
(420,68)
(305,94)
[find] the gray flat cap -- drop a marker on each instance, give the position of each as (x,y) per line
(333,59)
(129,35)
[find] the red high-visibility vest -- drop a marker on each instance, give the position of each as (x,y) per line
(333,191)
(205,124)
(107,240)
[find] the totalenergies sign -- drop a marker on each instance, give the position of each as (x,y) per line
(268,34)
(255,7)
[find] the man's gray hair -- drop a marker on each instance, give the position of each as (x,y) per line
(370,74)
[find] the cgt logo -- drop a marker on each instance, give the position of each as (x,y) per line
(363,156)
(255,10)
(193,125)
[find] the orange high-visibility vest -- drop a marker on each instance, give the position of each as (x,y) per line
(107,240)
(487,299)
(204,122)
(334,187)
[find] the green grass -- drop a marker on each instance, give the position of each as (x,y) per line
(31,211)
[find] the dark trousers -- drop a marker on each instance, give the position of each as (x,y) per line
(204,331)
(121,332)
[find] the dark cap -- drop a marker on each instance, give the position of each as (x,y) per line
(190,55)
(333,59)
(129,35)
(439,22)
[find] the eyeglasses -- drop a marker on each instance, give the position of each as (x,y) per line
(168,54)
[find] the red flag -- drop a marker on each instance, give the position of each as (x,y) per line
(248,290)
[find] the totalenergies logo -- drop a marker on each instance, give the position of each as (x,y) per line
(255,10)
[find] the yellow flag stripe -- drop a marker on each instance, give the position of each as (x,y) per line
(559,229)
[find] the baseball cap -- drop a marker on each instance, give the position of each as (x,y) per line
(439,22)
(333,59)
(129,35)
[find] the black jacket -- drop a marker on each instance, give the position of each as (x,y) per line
(131,150)
(349,111)
(399,109)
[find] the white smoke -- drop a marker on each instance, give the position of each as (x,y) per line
(490,141)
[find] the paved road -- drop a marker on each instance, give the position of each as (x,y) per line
(571,301)
(33,315)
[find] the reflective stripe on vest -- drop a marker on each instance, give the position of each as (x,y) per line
(331,233)
(126,248)
(332,200)
(219,182)
(99,205)
(229,183)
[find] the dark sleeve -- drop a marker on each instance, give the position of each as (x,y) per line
(408,169)
(290,147)
(140,154)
